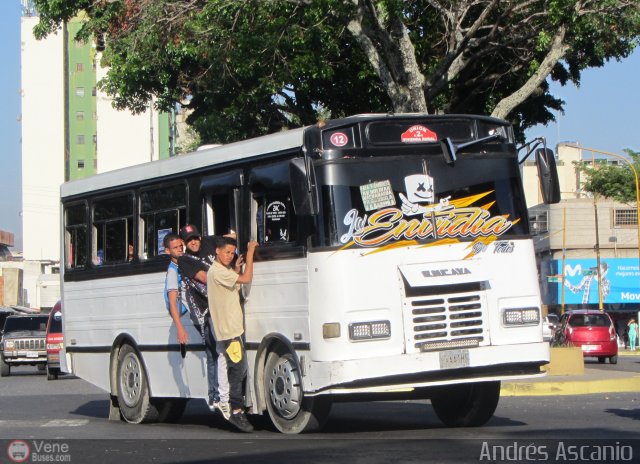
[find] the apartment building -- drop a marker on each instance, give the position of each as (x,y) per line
(571,237)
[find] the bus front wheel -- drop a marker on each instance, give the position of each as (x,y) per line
(466,405)
(133,388)
(288,408)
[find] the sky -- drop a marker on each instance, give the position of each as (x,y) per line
(11,169)
(600,114)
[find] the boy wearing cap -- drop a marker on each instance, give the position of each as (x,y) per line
(223,283)
(193,266)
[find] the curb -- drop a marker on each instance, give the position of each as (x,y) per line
(622,352)
(576,387)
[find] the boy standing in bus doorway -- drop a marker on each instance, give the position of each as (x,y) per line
(172,286)
(223,283)
(193,266)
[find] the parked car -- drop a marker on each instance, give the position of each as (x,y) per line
(54,341)
(4,314)
(23,342)
(591,330)
(549,326)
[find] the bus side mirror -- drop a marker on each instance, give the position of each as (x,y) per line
(548,175)
(304,190)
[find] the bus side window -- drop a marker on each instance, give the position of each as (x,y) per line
(163,210)
(112,228)
(75,241)
(274,218)
(219,217)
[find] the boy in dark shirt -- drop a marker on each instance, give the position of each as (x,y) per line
(193,265)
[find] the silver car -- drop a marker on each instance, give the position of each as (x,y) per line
(549,326)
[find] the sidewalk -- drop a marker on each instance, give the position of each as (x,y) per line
(592,381)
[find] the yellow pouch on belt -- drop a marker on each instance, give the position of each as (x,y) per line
(234,350)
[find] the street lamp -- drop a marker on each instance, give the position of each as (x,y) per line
(635,174)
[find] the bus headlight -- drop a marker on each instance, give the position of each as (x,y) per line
(369,330)
(521,316)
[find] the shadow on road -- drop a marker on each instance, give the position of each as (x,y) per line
(345,418)
(628,413)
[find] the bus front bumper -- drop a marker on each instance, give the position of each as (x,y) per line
(414,371)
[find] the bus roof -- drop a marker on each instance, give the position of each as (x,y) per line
(204,157)
(280,141)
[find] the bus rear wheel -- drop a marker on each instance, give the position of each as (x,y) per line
(133,388)
(288,408)
(467,405)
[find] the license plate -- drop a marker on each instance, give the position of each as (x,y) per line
(32,354)
(590,347)
(453,359)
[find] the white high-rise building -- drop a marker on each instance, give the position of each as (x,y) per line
(69,130)
(43,145)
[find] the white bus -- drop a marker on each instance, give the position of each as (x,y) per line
(395,261)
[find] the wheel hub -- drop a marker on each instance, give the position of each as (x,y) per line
(130,380)
(284,388)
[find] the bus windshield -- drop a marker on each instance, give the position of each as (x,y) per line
(378,201)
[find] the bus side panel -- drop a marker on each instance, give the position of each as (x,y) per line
(278,301)
(89,367)
(104,312)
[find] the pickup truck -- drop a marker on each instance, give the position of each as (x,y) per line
(23,342)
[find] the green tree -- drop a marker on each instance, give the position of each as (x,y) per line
(617,182)
(248,67)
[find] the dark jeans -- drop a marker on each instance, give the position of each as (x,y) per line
(212,364)
(237,373)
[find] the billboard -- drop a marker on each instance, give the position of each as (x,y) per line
(620,280)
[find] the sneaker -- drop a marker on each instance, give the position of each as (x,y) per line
(224,409)
(212,405)
(239,419)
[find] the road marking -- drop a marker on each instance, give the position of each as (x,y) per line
(66,423)
(40,423)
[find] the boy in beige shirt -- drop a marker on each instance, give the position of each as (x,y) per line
(223,286)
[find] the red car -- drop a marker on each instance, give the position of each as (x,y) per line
(591,330)
(54,341)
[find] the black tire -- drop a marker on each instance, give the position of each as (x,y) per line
(170,410)
(289,410)
(613,359)
(601,359)
(42,367)
(133,388)
(466,405)
(52,373)
(5,368)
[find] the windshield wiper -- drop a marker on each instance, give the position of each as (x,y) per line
(450,149)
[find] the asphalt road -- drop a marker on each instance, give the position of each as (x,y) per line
(69,412)
(625,363)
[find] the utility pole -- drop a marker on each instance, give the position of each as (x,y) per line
(564,254)
(595,209)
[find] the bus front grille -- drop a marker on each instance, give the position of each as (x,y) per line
(446,321)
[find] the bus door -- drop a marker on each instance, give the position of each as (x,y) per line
(221,202)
